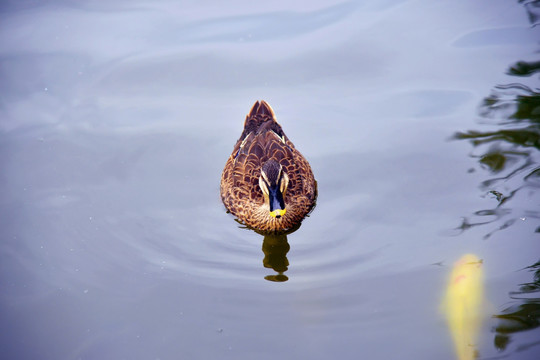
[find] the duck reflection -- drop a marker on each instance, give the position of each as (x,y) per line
(462,305)
(275,249)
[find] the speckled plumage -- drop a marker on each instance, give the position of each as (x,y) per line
(262,140)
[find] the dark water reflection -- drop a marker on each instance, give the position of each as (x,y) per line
(523,314)
(510,152)
(275,249)
(512,156)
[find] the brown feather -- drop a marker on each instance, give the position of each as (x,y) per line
(262,140)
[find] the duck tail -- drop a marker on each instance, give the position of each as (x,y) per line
(261,117)
(263,109)
(259,114)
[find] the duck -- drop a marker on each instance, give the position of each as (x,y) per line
(267,184)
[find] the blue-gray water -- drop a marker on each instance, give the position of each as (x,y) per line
(116,119)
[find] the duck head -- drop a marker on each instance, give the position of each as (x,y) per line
(273,183)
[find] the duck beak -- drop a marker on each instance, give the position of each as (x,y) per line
(277,204)
(278,213)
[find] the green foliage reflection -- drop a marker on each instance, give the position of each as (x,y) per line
(510,152)
(523,314)
(524,68)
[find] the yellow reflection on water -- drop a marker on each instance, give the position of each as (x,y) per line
(462,305)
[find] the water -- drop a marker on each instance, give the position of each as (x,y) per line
(117,119)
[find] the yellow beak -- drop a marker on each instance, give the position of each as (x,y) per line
(278,213)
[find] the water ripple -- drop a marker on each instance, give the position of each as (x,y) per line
(263,27)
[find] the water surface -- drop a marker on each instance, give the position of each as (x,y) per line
(419,119)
